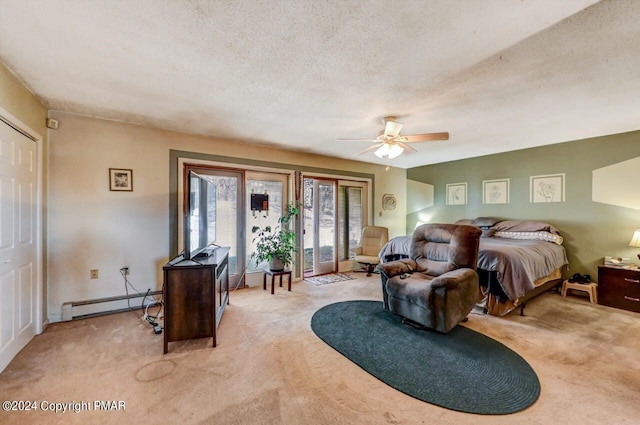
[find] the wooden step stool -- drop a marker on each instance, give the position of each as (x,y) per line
(589,288)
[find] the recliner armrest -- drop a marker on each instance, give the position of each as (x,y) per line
(394,268)
(454,278)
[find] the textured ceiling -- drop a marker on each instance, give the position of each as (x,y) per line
(498,75)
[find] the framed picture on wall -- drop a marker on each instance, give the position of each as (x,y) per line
(457,193)
(547,188)
(121,179)
(388,202)
(495,191)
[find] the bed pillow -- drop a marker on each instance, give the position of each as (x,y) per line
(525,226)
(483,222)
(538,236)
(487,232)
(466,221)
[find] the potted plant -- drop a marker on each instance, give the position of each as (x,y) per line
(276,245)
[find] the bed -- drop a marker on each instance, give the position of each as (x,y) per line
(517,260)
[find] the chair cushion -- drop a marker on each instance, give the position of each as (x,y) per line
(368,259)
(373,239)
(415,288)
(440,248)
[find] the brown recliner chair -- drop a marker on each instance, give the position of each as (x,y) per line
(437,286)
(372,241)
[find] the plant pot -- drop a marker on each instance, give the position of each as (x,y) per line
(276,265)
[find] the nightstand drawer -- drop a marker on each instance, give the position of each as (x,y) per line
(619,288)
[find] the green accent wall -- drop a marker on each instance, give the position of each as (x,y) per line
(591,230)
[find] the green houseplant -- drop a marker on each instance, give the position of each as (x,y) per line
(277,245)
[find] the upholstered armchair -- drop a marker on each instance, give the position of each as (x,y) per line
(437,286)
(372,241)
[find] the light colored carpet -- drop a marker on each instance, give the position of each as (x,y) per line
(269,367)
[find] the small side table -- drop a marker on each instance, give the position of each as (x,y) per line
(589,288)
(273,277)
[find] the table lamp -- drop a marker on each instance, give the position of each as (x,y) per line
(635,240)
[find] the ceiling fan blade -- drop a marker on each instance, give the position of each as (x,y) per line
(429,137)
(370,148)
(407,148)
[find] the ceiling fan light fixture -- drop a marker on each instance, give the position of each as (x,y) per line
(382,151)
(390,144)
(395,151)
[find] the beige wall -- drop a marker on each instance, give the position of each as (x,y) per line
(19,102)
(93,228)
(15,98)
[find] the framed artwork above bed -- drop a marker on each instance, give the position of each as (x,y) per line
(547,188)
(495,191)
(457,193)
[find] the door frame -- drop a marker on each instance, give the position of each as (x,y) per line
(40,319)
(347,265)
(318,268)
(283,178)
(342,266)
(244,168)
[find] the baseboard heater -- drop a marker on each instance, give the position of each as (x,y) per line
(67,308)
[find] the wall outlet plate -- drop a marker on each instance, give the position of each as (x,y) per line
(94,273)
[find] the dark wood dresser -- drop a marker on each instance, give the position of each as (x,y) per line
(619,287)
(195,296)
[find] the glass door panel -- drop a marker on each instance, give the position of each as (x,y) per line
(353,213)
(320,226)
(326,240)
(351,220)
(229,222)
(275,187)
(308,226)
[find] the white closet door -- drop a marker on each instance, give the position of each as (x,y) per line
(18,242)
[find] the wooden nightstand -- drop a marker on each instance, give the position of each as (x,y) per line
(619,287)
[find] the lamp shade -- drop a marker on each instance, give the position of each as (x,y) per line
(382,151)
(395,150)
(635,240)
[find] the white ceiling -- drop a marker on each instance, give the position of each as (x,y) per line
(498,75)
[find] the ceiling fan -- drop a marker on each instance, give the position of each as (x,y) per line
(391,144)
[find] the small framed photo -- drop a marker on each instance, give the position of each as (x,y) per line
(121,179)
(547,188)
(495,191)
(457,193)
(388,202)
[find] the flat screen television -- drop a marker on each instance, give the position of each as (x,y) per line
(200,216)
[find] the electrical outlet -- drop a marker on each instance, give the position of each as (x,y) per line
(94,273)
(125,270)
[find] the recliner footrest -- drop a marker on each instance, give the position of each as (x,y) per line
(413,324)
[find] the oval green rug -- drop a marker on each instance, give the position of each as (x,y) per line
(462,370)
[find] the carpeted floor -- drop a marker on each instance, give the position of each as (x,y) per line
(270,368)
